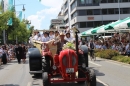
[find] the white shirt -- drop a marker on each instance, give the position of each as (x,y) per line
(51,37)
(45,39)
(35,37)
(69,39)
(1,52)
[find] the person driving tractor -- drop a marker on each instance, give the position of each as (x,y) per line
(60,42)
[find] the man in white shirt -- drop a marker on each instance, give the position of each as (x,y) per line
(35,36)
(45,38)
(51,35)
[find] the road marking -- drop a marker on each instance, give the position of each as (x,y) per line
(94,63)
(101,82)
(29,84)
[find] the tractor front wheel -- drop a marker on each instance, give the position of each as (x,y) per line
(46,81)
(92,78)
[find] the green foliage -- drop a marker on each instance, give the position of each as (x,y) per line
(18,29)
(113,55)
(69,45)
(107,54)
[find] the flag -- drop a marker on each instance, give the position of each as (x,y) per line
(28,26)
(19,15)
(10,5)
(10,22)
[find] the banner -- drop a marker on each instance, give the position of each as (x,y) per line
(10,22)
(28,26)
(10,3)
(19,15)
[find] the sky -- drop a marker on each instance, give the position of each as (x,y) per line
(40,13)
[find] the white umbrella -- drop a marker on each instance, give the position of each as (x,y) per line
(124,24)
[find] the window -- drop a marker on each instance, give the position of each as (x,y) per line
(110,1)
(82,12)
(66,4)
(89,1)
(104,11)
(125,0)
(89,24)
(116,11)
(66,12)
(97,23)
(74,15)
(96,12)
(125,11)
(81,2)
(89,12)
(73,5)
(103,1)
(111,11)
(82,25)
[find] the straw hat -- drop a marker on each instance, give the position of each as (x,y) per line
(61,33)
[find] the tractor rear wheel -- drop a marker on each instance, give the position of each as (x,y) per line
(46,64)
(92,78)
(45,77)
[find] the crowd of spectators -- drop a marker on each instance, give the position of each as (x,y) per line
(119,42)
(9,52)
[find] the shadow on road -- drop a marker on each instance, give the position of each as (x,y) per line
(9,85)
(99,73)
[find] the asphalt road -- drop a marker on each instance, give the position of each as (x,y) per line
(108,74)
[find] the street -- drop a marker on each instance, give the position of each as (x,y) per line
(108,74)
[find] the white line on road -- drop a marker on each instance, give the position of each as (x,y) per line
(94,63)
(101,82)
(29,84)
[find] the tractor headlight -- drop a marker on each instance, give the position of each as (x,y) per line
(84,65)
(54,67)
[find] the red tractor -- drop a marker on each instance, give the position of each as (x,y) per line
(68,66)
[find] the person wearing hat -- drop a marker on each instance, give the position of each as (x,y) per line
(68,37)
(60,42)
(45,37)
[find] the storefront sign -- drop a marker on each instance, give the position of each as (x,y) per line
(90,18)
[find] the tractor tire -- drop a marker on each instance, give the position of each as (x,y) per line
(46,64)
(92,78)
(45,77)
(81,75)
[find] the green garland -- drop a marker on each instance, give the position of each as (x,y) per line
(69,45)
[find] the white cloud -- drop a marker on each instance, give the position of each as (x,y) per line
(36,20)
(52,3)
(52,10)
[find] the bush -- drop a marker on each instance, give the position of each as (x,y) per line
(107,54)
(121,58)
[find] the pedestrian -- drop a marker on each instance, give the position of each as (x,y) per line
(17,53)
(23,53)
(1,54)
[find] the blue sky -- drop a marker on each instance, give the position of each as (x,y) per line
(40,13)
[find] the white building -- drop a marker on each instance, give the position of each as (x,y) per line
(86,14)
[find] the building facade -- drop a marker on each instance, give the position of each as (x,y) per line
(86,14)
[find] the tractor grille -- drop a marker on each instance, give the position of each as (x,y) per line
(73,60)
(64,60)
